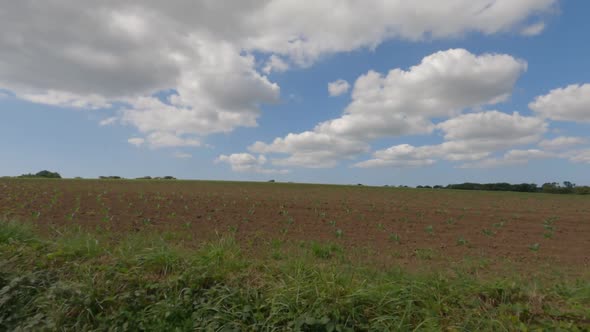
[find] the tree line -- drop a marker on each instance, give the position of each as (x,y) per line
(566,187)
(55,175)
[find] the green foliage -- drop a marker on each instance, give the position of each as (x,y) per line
(146,282)
(110,177)
(13,231)
(325,251)
(393,237)
(462,242)
(549,187)
(42,174)
(502,186)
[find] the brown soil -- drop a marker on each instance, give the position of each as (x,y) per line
(525,229)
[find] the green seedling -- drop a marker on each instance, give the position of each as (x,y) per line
(462,242)
(394,238)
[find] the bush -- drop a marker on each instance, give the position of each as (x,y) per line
(43,174)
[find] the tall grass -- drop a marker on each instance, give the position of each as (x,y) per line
(83,281)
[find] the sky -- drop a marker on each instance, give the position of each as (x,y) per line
(376,92)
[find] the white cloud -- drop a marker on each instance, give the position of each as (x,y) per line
(403,155)
(113,52)
(167,140)
(571,103)
(313,32)
(157,140)
(403,102)
(494,126)
(182,155)
(582,156)
(245,162)
(275,64)
(338,88)
(533,29)
(562,142)
(471,136)
(311,149)
(67,99)
(108,121)
(137,141)
(512,157)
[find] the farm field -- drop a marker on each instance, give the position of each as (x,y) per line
(388,223)
(528,254)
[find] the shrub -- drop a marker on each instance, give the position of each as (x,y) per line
(42,174)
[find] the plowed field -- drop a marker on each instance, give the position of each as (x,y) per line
(388,225)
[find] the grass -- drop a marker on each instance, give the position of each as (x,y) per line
(149,282)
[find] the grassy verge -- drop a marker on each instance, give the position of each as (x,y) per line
(80,281)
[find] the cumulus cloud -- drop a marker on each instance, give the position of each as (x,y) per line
(562,142)
(157,140)
(571,103)
(494,126)
(533,29)
(66,99)
(137,141)
(108,121)
(338,88)
(582,156)
(311,149)
(275,64)
(312,32)
(167,140)
(245,162)
(404,102)
(182,155)
(403,155)
(512,157)
(209,52)
(470,136)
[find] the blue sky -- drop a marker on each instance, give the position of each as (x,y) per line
(431,95)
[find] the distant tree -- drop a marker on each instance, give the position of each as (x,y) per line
(42,174)
(168,177)
(583,190)
(48,174)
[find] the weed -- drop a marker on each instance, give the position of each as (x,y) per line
(488,232)
(394,238)
(426,254)
(498,225)
(462,242)
(13,231)
(325,251)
